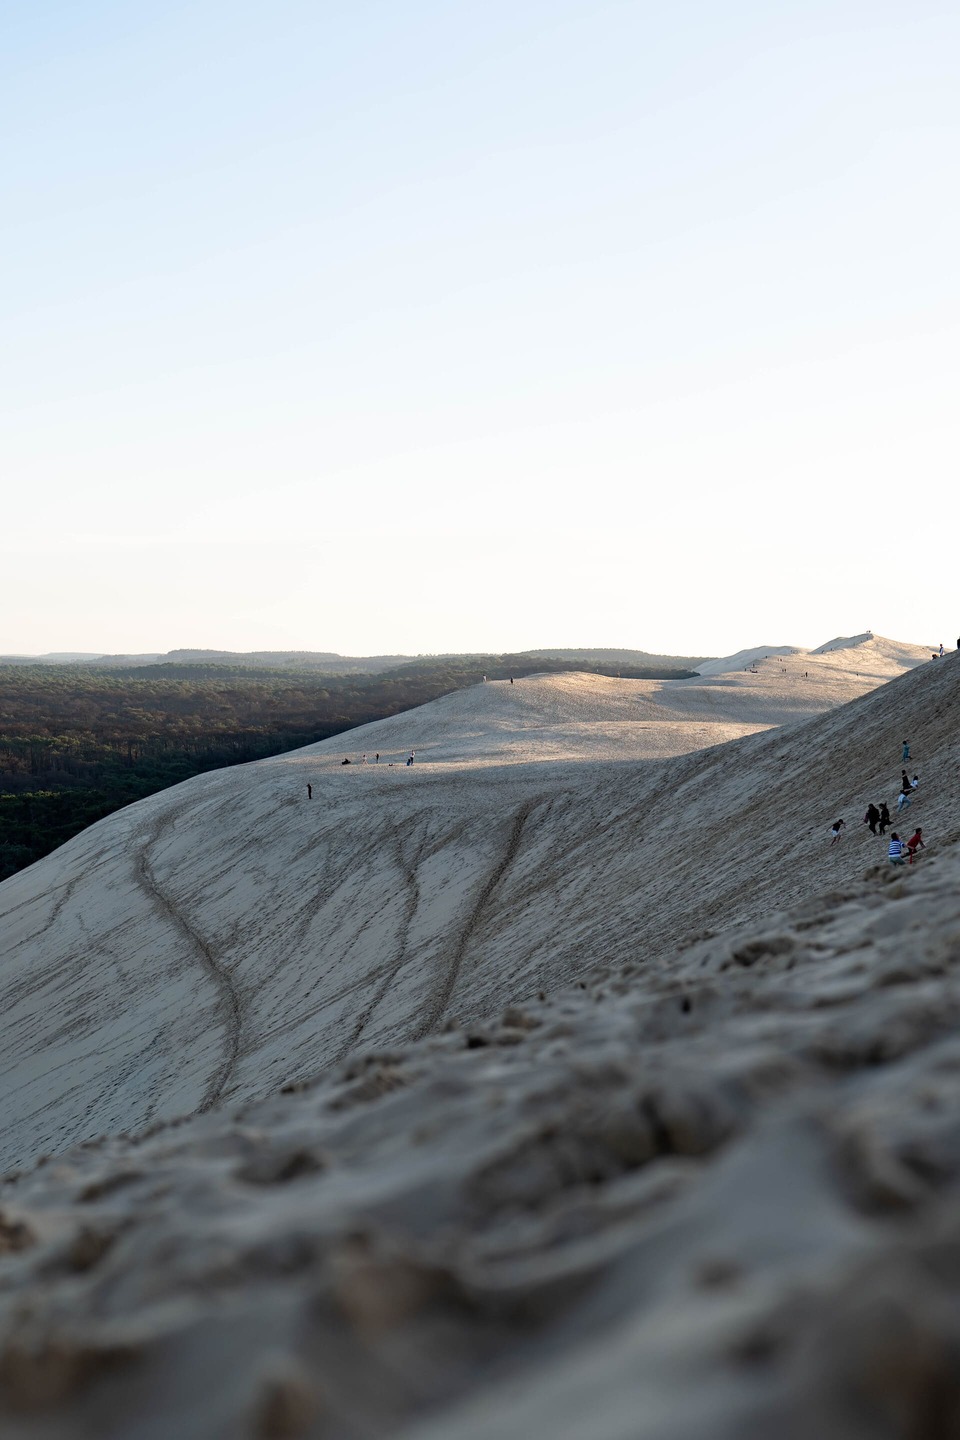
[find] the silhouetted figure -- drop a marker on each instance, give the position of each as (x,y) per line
(309,792)
(345,762)
(511,679)
(376,758)
(884,817)
(871,818)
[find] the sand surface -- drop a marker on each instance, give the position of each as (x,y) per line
(228,935)
(618,1101)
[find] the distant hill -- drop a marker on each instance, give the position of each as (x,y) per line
(329,662)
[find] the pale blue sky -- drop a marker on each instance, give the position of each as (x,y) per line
(422,326)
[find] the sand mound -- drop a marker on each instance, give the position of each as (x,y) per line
(712,1193)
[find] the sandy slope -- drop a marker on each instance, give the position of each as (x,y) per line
(228,935)
(711,1193)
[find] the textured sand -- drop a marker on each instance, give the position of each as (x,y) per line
(704,1187)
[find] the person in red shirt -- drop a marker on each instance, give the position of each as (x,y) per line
(915,842)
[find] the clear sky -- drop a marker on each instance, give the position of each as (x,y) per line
(410,325)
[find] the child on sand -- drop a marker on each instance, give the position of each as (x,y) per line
(836,830)
(906,790)
(896,850)
(915,843)
(906,750)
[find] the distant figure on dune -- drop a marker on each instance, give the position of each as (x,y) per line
(906,751)
(511,677)
(896,850)
(376,758)
(884,817)
(915,843)
(871,818)
(941,649)
(915,783)
(412,754)
(836,831)
(906,790)
(309,791)
(345,762)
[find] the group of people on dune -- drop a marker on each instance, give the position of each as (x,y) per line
(877,819)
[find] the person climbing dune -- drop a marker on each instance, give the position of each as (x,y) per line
(837,830)
(895,853)
(871,818)
(884,817)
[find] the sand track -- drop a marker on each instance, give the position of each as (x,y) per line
(230,1004)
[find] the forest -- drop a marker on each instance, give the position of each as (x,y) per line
(77,742)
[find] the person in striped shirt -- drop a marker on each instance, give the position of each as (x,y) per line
(896,850)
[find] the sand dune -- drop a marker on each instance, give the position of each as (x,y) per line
(619,1103)
(228,936)
(711,1193)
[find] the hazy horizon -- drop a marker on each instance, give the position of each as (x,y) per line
(684,652)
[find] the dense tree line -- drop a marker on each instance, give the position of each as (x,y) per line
(77,743)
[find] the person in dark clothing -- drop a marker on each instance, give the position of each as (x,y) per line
(871,818)
(309,792)
(884,820)
(836,830)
